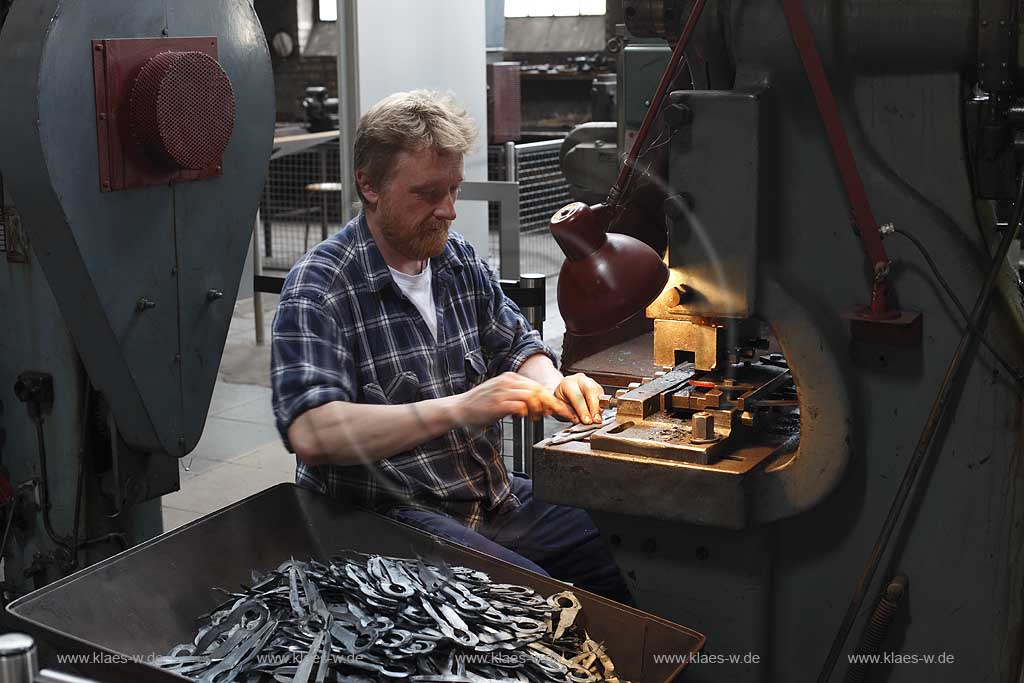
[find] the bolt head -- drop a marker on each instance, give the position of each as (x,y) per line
(677,296)
(703,426)
(678,115)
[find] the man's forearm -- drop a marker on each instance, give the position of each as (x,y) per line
(341,433)
(540,369)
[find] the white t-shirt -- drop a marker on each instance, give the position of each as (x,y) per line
(420,293)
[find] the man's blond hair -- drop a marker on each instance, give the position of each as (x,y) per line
(409,122)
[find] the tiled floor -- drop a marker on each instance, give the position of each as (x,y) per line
(238,455)
(240,452)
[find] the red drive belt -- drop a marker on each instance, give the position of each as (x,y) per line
(800,29)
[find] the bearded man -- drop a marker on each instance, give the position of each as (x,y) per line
(395,355)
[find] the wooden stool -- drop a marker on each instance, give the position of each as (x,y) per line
(323,190)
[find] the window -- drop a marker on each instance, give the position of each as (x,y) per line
(328,10)
(553,8)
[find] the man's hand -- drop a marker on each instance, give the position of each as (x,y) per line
(582,395)
(508,394)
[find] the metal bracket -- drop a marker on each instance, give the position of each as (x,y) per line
(997,44)
(506,194)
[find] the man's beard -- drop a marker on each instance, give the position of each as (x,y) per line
(422,241)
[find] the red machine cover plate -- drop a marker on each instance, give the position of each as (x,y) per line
(165,110)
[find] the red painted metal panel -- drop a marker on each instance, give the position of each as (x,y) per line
(123,162)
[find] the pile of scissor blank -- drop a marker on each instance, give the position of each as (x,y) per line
(365,618)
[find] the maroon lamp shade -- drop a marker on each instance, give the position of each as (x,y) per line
(607,277)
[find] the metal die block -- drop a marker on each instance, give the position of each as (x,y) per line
(646,399)
(703,341)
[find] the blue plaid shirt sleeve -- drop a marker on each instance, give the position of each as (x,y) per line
(505,335)
(311,363)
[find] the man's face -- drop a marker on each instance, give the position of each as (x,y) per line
(416,204)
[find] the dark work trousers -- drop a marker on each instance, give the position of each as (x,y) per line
(553,540)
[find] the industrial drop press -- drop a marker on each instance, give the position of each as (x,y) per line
(811,246)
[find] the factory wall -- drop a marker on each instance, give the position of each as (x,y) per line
(294,73)
(437,44)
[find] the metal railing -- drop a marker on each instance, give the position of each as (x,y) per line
(301,200)
(529,293)
(543,190)
(301,203)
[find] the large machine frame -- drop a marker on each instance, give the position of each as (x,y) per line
(129,188)
(762,552)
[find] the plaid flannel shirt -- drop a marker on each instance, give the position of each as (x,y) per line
(344,331)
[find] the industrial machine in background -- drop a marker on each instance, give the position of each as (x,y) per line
(321,111)
(815,416)
(133,149)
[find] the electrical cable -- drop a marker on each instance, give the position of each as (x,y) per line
(7,527)
(24,486)
(1014,373)
(943,400)
(120,537)
(622,184)
(80,483)
(45,488)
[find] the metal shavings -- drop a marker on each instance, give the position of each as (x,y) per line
(372,619)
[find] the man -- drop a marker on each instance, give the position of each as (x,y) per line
(395,354)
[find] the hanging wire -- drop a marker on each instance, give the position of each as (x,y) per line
(937,273)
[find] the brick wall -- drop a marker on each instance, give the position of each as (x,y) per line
(294,73)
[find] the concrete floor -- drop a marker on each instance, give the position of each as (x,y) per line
(240,453)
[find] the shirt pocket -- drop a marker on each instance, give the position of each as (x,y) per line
(403,388)
(475,368)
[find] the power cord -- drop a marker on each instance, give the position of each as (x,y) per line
(945,401)
(1013,372)
(12,504)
